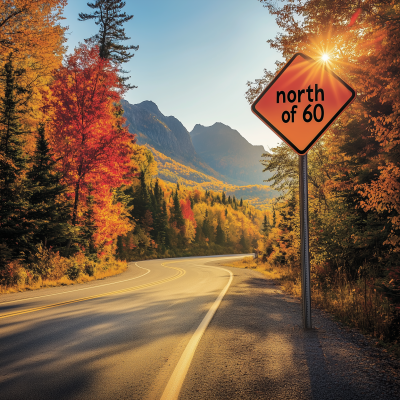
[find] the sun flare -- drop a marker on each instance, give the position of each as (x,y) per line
(325,57)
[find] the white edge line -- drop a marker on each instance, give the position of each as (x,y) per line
(174,385)
(77,290)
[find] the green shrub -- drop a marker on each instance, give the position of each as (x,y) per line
(90,267)
(74,272)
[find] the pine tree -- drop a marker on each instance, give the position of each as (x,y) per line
(15,229)
(223,198)
(243,242)
(141,199)
(48,211)
(89,227)
(207,228)
(108,14)
(241,202)
(266,227)
(273,217)
(220,235)
(163,228)
(177,212)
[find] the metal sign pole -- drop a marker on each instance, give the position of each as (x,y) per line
(304,239)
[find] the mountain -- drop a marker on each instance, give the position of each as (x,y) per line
(217,151)
(165,134)
(229,153)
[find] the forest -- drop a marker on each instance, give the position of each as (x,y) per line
(173,220)
(354,174)
(78,196)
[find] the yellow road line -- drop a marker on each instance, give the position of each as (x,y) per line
(180,273)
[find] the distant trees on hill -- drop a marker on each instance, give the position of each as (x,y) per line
(173,220)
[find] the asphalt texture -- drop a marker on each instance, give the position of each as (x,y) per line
(126,345)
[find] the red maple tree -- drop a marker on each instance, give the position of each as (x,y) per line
(86,125)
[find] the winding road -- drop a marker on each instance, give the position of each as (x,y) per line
(180,329)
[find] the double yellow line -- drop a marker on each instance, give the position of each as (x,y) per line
(180,273)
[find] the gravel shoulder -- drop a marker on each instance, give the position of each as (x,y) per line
(255,348)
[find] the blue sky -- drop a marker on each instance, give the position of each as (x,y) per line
(194,58)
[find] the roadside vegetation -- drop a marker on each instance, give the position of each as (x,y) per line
(356,304)
(50,270)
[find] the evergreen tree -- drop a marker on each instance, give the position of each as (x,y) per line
(176,215)
(140,199)
(48,211)
(241,202)
(15,229)
(273,217)
(163,227)
(89,228)
(220,235)
(207,228)
(223,198)
(109,16)
(229,200)
(243,242)
(266,227)
(160,217)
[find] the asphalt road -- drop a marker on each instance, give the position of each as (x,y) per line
(145,335)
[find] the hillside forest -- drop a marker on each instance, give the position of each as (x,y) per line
(76,192)
(354,171)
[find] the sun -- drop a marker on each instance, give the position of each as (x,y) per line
(325,57)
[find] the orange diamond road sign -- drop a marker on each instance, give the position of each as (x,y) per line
(302,101)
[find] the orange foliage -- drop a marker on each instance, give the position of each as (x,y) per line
(187,211)
(30,30)
(87,136)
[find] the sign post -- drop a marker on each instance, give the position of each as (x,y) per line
(299,105)
(304,238)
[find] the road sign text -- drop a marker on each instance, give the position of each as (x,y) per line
(302,101)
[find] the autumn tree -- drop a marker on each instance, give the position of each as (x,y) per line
(109,16)
(189,220)
(87,135)
(30,30)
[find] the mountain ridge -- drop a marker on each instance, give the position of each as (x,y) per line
(217,151)
(165,134)
(229,153)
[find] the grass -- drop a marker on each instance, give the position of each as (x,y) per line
(356,304)
(102,272)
